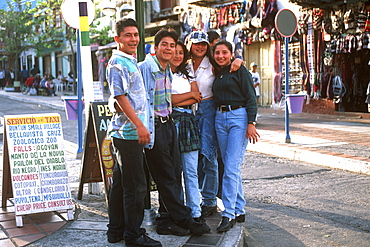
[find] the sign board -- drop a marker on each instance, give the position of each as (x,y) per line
(286,23)
(97,159)
(34,162)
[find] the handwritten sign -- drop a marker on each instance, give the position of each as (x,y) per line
(38,169)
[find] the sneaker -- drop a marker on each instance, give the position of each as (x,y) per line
(198,228)
(208,211)
(143,241)
(172,229)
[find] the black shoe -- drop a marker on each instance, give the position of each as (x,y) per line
(199,219)
(225,224)
(207,211)
(143,241)
(240,218)
(197,228)
(114,239)
(172,229)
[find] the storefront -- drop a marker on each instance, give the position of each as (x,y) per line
(334,54)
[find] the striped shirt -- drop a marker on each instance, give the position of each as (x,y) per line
(162,95)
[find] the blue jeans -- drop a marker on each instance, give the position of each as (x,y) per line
(231,130)
(189,162)
(208,154)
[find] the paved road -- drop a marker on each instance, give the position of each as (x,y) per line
(292,203)
(289,203)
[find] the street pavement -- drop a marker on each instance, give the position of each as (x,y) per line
(340,141)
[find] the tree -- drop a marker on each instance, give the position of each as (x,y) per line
(15,31)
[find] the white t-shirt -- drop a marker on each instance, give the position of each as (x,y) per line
(256,79)
(204,77)
(180,84)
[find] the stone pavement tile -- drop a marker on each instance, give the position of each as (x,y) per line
(24,240)
(21,231)
(8,209)
(6,243)
(46,217)
(208,239)
(7,216)
(12,224)
(51,227)
(2,235)
(88,225)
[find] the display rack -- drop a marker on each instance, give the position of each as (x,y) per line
(295,70)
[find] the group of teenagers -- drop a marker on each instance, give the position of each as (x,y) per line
(174,112)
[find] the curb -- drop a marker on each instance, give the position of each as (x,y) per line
(306,154)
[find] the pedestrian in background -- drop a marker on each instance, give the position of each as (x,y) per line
(235,98)
(2,78)
(24,74)
(256,79)
(128,129)
(213,37)
(162,154)
(185,95)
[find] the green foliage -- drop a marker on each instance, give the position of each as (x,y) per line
(100,36)
(15,31)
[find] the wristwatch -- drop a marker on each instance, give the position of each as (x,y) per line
(252,122)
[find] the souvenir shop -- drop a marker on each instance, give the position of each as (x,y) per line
(334,54)
(328,56)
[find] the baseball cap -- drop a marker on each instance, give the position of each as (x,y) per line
(253,64)
(196,37)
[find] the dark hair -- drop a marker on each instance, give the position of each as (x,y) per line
(229,47)
(182,67)
(212,35)
(208,54)
(165,32)
(223,42)
(123,23)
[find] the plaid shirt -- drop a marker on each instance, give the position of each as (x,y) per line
(188,124)
(162,95)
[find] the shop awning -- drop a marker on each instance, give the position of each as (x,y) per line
(323,3)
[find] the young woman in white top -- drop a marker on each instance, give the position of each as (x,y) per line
(185,94)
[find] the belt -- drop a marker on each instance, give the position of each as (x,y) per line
(162,119)
(184,107)
(226,108)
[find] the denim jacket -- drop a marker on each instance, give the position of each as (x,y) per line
(149,68)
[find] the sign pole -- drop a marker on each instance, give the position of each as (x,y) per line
(287,136)
(286,25)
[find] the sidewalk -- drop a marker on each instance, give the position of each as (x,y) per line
(340,141)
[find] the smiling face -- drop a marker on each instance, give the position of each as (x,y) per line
(177,58)
(128,40)
(199,50)
(222,55)
(165,50)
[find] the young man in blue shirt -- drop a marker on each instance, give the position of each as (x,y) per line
(162,153)
(129,131)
